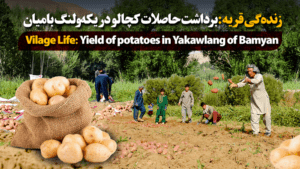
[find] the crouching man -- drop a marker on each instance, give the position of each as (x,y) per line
(210,114)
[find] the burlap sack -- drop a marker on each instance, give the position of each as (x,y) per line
(42,123)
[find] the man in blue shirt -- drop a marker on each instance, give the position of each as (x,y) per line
(102,81)
(138,105)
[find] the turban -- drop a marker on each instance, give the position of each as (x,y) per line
(255,68)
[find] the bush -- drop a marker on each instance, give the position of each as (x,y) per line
(173,88)
(241,96)
(274,88)
(153,87)
(215,99)
(281,116)
(237,96)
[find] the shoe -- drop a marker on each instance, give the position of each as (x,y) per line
(163,123)
(156,123)
(140,120)
(268,134)
(190,120)
(214,124)
(110,101)
(255,134)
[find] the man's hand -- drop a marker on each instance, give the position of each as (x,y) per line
(157,108)
(248,80)
(179,104)
(233,85)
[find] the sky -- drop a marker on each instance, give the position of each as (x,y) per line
(96,6)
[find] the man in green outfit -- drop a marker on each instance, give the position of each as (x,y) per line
(162,102)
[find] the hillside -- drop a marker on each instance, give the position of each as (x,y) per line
(49,5)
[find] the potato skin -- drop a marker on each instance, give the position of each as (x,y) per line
(110,144)
(70,152)
(38,83)
(49,148)
(294,146)
(288,162)
(54,87)
(56,99)
(75,138)
(285,144)
(105,135)
(277,154)
(92,134)
(96,153)
(39,96)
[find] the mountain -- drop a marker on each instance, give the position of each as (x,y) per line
(49,5)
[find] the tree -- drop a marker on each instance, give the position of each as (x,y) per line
(282,62)
(8,41)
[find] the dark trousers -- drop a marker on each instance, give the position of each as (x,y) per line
(136,112)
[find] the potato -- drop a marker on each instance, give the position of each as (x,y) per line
(105,135)
(54,87)
(216,78)
(39,96)
(56,99)
(38,83)
(49,148)
(96,153)
(110,144)
(294,146)
(278,154)
(70,90)
(210,82)
(64,80)
(288,162)
(75,138)
(92,134)
(70,152)
(215,90)
(285,144)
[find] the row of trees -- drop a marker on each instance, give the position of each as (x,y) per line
(284,62)
(131,65)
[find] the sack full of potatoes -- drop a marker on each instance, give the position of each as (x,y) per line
(53,108)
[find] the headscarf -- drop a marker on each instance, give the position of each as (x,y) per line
(255,68)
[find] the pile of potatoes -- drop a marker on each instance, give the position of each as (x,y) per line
(92,144)
(109,111)
(7,123)
(287,155)
(6,108)
(51,91)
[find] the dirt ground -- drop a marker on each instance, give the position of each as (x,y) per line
(200,146)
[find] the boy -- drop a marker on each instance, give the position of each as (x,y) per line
(162,102)
(210,114)
(187,100)
(150,107)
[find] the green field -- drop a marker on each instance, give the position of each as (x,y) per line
(121,90)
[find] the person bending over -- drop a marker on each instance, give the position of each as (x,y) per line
(210,114)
